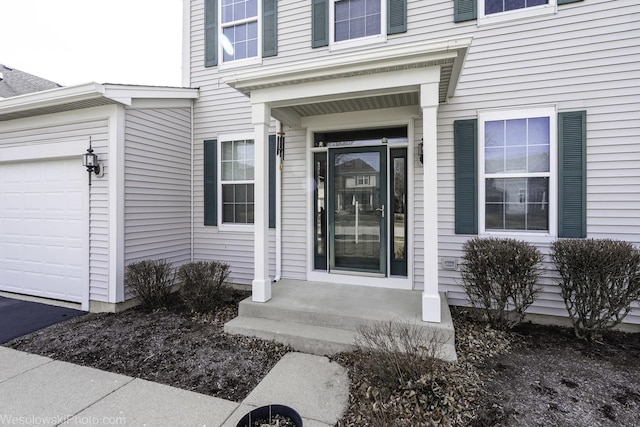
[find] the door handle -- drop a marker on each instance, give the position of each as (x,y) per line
(381,210)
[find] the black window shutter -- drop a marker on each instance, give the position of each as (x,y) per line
(210,33)
(269,28)
(211,182)
(572,177)
(272,181)
(397,16)
(464,10)
(465,136)
(567,1)
(319,23)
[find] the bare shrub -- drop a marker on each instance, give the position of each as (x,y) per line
(150,281)
(600,278)
(500,278)
(400,353)
(203,289)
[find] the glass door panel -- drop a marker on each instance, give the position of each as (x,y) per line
(357,197)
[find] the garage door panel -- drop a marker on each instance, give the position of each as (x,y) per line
(43,229)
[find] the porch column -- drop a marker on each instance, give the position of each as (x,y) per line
(261,285)
(430,296)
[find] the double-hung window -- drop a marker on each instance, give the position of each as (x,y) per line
(517,171)
(236,181)
(504,10)
(239,29)
(355,22)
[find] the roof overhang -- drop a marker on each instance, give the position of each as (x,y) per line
(86,96)
(269,83)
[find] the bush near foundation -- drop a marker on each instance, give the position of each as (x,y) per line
(500,278)
(150,281)
(600,278)
(203,289)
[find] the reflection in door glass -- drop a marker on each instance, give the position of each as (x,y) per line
(358,210)
(320,223)
(399,218)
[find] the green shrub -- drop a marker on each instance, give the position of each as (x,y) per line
(203,289)
(400,352)
(500,278)
(600,278)
(150,281)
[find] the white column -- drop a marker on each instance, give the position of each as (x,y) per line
(261,286)
(430,295)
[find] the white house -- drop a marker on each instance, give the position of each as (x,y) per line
(362,142)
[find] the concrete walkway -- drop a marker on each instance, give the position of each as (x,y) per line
(36,390)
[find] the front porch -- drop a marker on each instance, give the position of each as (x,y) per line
(322,318)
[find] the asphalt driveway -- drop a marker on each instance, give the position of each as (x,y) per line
(18,318)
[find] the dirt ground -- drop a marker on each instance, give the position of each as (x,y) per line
(533,376)
(169,346)
(550,378)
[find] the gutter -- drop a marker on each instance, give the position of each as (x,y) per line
(279,166)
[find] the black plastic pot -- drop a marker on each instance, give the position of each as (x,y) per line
(264,412)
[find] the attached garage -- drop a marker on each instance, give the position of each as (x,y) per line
(43,228)
(66,238)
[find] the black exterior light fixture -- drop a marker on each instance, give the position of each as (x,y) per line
(90,161)
(420,152)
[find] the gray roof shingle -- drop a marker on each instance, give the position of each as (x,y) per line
(15,82)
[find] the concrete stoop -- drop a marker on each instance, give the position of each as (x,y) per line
(323,318)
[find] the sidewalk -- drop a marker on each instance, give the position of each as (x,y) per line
(36,390)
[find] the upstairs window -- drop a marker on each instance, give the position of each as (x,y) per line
(355,19)
(495,11)
(239,27)
(497,6)
(353,23)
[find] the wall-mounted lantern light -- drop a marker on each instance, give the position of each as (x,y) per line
(420,152)
(90,161)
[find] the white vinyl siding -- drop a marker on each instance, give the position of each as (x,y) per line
(584,57)
(157,185)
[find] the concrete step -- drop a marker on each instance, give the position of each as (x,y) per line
(301,337)
(323,318)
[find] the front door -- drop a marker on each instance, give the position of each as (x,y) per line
(357,207)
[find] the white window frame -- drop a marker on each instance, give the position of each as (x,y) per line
(362,41)
(231,226)
(490,115)
(221,26)
(511,15)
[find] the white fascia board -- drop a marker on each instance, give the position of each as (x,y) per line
(125,93)
(349,63)
(346,88)
(51,97)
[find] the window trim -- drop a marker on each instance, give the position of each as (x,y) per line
(361,41)
(230,226)
(511,15)
(542,111)
(222,64)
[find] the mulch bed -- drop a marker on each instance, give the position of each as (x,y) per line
(168,346)
(531,376)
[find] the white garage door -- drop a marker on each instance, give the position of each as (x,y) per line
(42,228)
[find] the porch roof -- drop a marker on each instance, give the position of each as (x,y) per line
(448,55)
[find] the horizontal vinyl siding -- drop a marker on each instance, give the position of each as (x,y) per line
(158,185)
(584,57)
(70,129)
